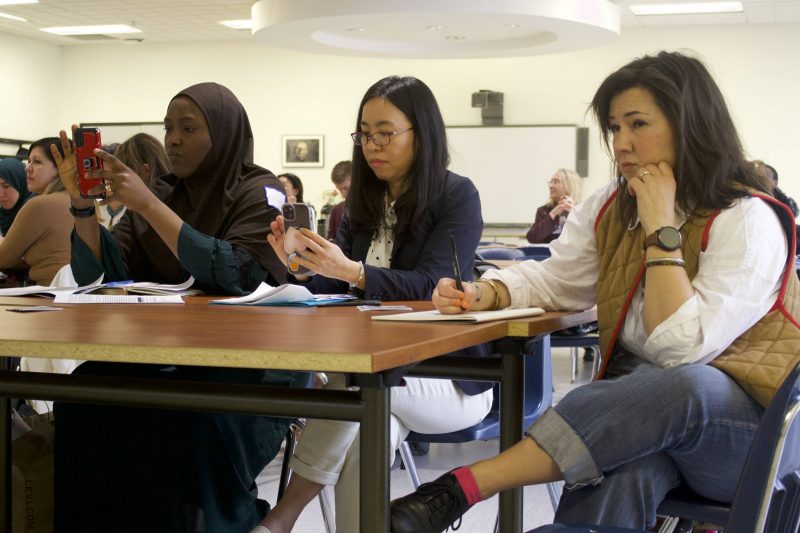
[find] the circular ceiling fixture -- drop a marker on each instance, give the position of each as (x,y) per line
(435,28)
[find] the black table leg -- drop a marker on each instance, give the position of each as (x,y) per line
(512,400)
(374,504)
(5,456)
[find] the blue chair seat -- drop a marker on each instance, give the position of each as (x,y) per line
(686,503)
(500,253)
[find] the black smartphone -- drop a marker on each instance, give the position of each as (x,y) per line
(295,217)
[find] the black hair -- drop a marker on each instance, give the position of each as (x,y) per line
(710,166)
(45,144)
(426,177)
(296,184)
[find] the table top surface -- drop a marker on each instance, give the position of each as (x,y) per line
(341,339)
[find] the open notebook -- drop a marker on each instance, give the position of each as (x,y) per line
(475,316)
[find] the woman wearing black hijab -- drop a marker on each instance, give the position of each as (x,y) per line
(159,470)
(12,176)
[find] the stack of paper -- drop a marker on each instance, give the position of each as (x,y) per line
(284,295)
(153,292)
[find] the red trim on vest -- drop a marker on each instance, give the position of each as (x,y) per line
(785,312)
(603,209)
(618,327)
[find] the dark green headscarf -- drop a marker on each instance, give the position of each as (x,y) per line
(12,171)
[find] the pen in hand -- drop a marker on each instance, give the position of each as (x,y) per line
(456,268)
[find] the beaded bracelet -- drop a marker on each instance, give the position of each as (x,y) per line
(665,261)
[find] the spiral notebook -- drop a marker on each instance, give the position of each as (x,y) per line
(473,317)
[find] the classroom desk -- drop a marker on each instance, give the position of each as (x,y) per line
(342,339)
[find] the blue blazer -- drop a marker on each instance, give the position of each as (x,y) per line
(422,257)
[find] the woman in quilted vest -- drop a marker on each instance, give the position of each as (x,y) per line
(689,262)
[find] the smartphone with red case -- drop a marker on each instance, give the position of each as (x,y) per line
(86,140)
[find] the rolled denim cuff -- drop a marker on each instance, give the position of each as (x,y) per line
(556,437)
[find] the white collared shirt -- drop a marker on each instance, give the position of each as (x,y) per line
(738,279)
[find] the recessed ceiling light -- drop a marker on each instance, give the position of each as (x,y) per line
(512,25)
(687,9)
(455,37)
(435,27)
(91,30)
(14,2)
(242,24)
(12,17)
(356,30)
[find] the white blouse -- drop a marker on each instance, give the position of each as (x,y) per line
(380,250)
(738,279)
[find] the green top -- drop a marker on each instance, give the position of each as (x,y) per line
(215,266)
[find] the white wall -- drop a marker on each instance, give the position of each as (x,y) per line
(29,98)
(758,68)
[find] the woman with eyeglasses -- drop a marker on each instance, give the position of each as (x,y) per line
(393,244)
(565,192)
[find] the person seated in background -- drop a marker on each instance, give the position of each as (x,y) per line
(393,244)
(13,191)
(685,254)
(162,470)
(293,186)
(340,176)
(565,192)
(145,156)
(37,244)
(772,174)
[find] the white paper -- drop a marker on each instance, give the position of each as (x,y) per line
(64,298)
(475,316)
(283,295)
(39,289)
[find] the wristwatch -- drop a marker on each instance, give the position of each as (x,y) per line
(666,238)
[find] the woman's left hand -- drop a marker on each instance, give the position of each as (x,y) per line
(123,184)
(654,188)
(325,257)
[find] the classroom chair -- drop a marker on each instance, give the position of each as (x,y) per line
(500,252)
(538,397)
(767,498)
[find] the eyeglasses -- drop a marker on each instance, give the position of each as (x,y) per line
(380,138)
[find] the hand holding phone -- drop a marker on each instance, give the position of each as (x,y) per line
(295,217)
(86,140)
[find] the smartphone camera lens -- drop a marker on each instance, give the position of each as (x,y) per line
(288,211)
(87,163)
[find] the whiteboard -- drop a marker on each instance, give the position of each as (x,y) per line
(117,132)
(510,165)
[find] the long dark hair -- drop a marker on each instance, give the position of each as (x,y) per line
(710,167)
(426,178)
(294,179)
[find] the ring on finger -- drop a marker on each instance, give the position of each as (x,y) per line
(108,187)
(643,173)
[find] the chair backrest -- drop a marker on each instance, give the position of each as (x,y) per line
(538,397)
(500,253)
(767,497)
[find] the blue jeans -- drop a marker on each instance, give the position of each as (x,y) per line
(623,443)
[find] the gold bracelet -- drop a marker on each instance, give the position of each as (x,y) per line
(665,261)
(496,294)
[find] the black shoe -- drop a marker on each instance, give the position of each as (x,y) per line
(418,449)
(588,355)
(431,509)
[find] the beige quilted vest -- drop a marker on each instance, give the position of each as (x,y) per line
(760,359)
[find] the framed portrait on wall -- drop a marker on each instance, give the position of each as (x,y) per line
(303,150)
